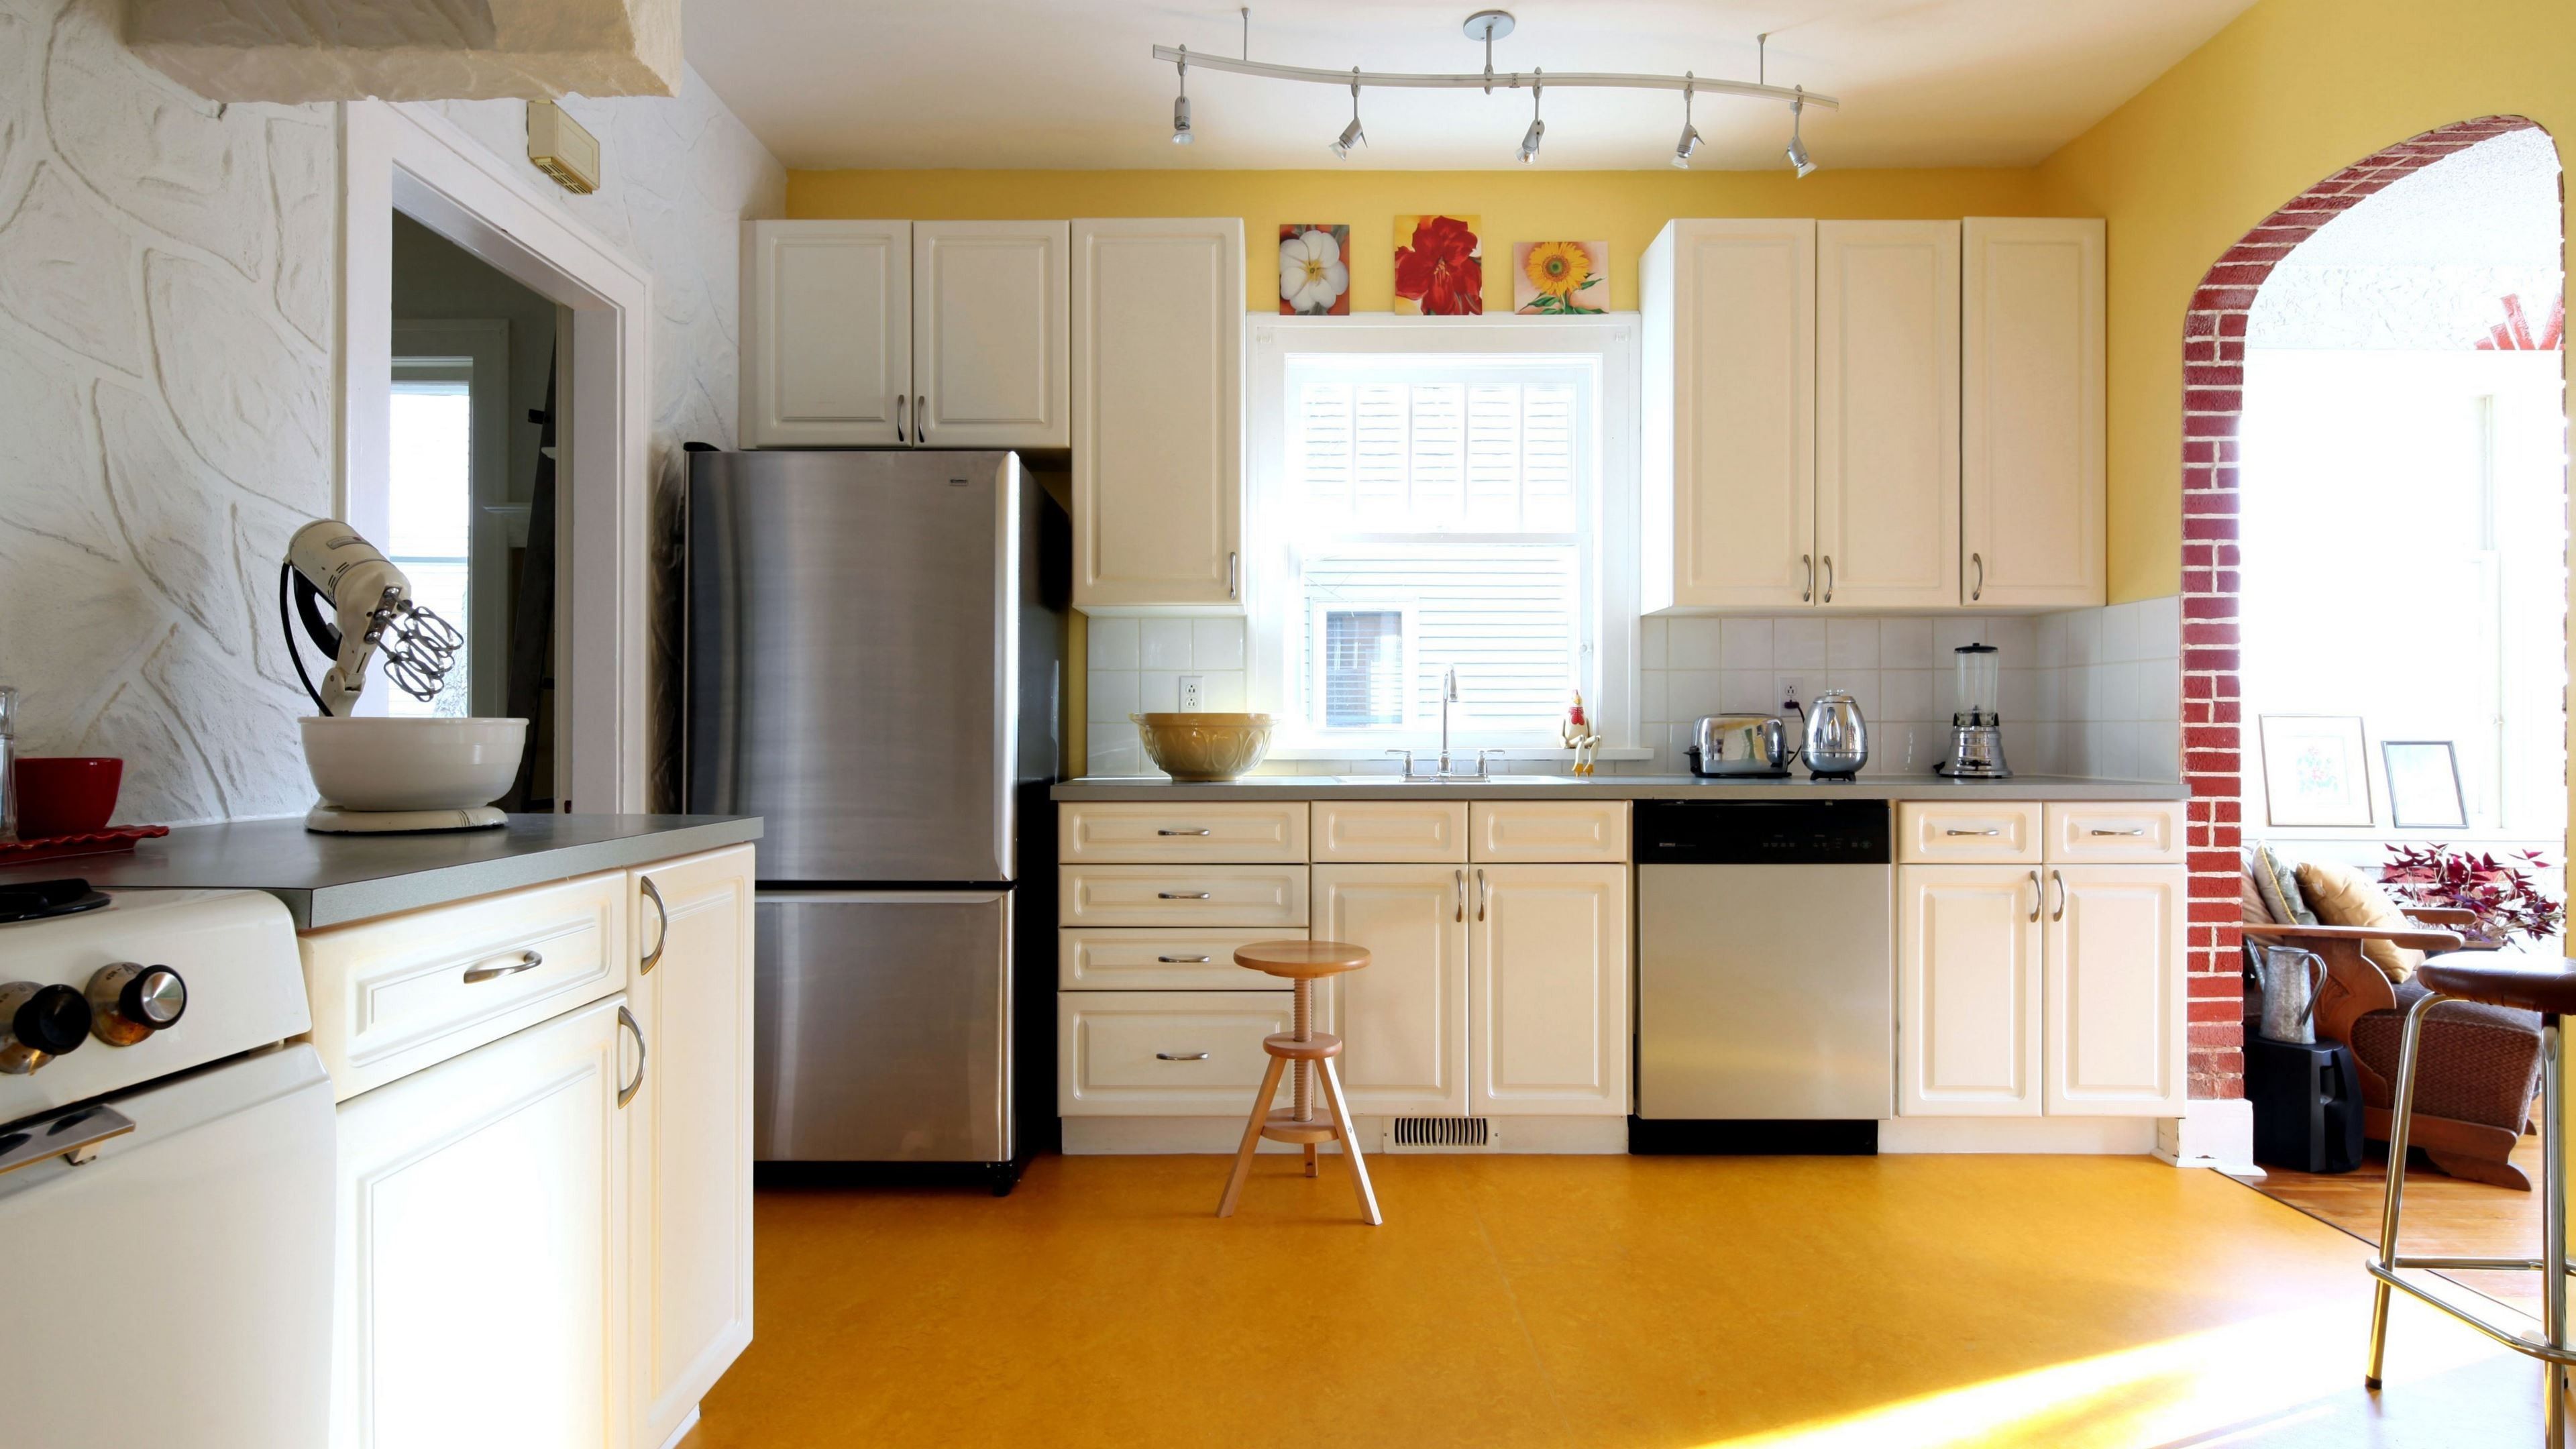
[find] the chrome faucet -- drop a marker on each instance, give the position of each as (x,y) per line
(1441,770)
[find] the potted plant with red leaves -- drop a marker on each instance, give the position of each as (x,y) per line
(2500,894)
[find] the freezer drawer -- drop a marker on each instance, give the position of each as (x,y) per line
(883,1026)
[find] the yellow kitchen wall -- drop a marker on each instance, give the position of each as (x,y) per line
(1624,208)
(2291,92)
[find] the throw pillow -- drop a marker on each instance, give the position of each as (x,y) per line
(2342,896)
(2280,887)
(2249,897)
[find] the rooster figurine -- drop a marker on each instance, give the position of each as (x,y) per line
(1579,736)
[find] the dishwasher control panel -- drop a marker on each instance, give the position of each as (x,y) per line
(1765,832)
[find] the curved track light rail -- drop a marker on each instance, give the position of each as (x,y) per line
(1515,80)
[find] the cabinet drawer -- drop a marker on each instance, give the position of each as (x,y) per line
(1391,832)
(1570,831)
(1967,833)
(394,995)
(1164,1053)
(2143,832)
(1172,895)
(1144,959)
(1152,832)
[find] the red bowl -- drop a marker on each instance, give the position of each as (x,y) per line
(66,794)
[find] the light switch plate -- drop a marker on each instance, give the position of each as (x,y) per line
(1191,693)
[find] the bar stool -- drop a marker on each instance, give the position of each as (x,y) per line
(2549,990)
(1302,962)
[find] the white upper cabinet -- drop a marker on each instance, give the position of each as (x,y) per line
(1158,409)
(989,348)
(1887,414)
(1728,513)
(826,333)
(2031,421)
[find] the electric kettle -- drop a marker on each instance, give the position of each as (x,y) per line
(1837,736)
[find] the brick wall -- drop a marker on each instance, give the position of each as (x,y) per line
(2213,402)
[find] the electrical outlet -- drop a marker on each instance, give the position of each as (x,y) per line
(1190,693)
(1792,691)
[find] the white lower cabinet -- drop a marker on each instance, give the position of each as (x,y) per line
(1548,990)
(1163,1053)
(482,1241)
(1968,991)
(1403,1017)
(2116,1033)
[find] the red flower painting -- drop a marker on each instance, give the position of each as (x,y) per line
(1440,272)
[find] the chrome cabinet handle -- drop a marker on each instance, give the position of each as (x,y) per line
(2060,878)
(2141,830)
(898,419)
(626,1094)
(1807,590)
(662,937)
(1234,576)
(1979,591)
(1184,832)
(1480,895)
(1460,877)
(1829,578)
(1180,1056)
(2037,894)
(1182,895)
(920,419)
(1973,832)
(74,1137)
(500,966)
(1182,960)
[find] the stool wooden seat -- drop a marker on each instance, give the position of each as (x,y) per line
(2527,984)
(1311,1052)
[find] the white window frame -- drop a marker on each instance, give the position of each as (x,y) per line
(1359,735)
(1608,593)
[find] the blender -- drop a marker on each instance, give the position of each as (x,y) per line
(1977,728)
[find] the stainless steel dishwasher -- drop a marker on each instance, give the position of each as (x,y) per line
(1765,975)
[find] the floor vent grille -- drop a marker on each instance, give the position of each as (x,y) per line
(1441,1132)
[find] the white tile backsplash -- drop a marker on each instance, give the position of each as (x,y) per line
(1164,644)
(1216,643)
(1851,644)
(1748,643)
(1113,644)
(1798,644)
(1695,644)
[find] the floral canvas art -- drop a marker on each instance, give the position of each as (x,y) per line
(1314,270)
(1556,278)
(1439,266)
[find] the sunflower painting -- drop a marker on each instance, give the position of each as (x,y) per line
(1439,267)
(1314,270)
(1554,278)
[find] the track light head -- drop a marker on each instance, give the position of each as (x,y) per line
(1537,128)
(1689,143)
(1181,105)
(1800,162)
(1351,135)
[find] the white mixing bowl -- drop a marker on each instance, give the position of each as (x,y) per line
(377,762)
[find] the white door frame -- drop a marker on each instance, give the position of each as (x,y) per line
(415,159)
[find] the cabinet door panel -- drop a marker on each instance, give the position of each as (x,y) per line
(989,348)
(1887,414)
(690,1133)
(482,1247)
(1968,984)
(1403,1017)
(2032,440)
(827,332)
(1158,389)
(2115,990)
(1548,990)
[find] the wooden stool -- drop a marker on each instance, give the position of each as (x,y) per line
(1301,962)
(2526,984)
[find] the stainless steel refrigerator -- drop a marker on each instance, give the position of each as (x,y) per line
(875,658)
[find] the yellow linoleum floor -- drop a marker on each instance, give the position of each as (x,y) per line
(1630,1302)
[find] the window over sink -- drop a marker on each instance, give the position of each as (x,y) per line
(1432,496)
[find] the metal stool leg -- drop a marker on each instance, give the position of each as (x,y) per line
(2399,1121)
(2553,1208)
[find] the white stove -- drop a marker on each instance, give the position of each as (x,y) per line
(166,1153)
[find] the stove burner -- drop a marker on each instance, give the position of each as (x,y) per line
(37,900)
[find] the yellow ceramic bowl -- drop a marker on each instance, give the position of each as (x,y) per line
(1204,746)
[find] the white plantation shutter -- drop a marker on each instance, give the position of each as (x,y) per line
(1438,506)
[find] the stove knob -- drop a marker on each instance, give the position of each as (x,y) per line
(129,1001)
(38,1024)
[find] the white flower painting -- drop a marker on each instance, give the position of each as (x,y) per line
(1314,270)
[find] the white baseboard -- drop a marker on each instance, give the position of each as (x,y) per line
(2063,1136)
(2213,1133)
(1156,1136)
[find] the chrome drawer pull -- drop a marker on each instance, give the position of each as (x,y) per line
(1181,895)
(500,966)
(2037,895)
(662,937)
(1184,832)
(2141,830)
(626,1093)
(1182,960)
(1975,832)
(1180,1056)
(74,1137)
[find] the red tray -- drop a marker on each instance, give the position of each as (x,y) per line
(95,842)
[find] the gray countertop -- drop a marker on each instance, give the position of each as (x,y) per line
(329,880)
(1618,787)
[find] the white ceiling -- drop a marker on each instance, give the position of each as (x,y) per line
(1071,84)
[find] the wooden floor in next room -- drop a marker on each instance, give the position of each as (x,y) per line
(1603,1302)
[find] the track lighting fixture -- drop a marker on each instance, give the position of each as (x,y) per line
(1690,134)
(1181,107)
(1538,128)
(1799,161)
(1351,135)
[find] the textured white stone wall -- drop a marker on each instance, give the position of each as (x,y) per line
(166,385)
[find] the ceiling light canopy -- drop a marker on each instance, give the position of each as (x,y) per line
(1489,26)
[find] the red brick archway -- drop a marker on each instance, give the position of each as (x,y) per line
(2213,352)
